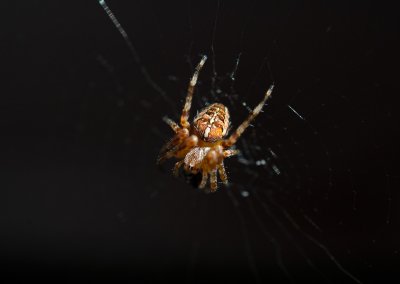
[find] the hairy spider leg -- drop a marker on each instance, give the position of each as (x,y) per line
(177,166)
(210,165)
(183,148)
(175,127)
(173,146)
(239,131)
(189,143)
(213,180)
(188,103)
(222,173)
(230,152)
(203,179)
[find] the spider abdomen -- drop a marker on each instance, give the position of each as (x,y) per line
(212,123)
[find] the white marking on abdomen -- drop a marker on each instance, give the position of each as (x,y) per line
(207,131)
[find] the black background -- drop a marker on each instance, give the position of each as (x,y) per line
(81,129)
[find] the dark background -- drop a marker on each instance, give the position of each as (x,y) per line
(82,198)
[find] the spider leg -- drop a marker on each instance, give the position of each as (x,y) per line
(188,103)
(230,153)
(203,179)
(172,146)
(189,143)
(180,149)
(213,180)
(239,131)
(222,173)
(167,155)
(176,167)
(175,127)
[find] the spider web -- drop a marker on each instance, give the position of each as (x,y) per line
(299,207)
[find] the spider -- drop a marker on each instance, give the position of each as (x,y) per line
(202,147)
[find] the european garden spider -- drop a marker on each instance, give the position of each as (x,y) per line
(201,147)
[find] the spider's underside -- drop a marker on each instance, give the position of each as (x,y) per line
(202,147)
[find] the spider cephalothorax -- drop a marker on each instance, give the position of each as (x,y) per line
(202,147)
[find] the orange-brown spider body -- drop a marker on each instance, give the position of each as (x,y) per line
(203,146)
(212,123)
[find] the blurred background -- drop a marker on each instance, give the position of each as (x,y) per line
(313,197)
